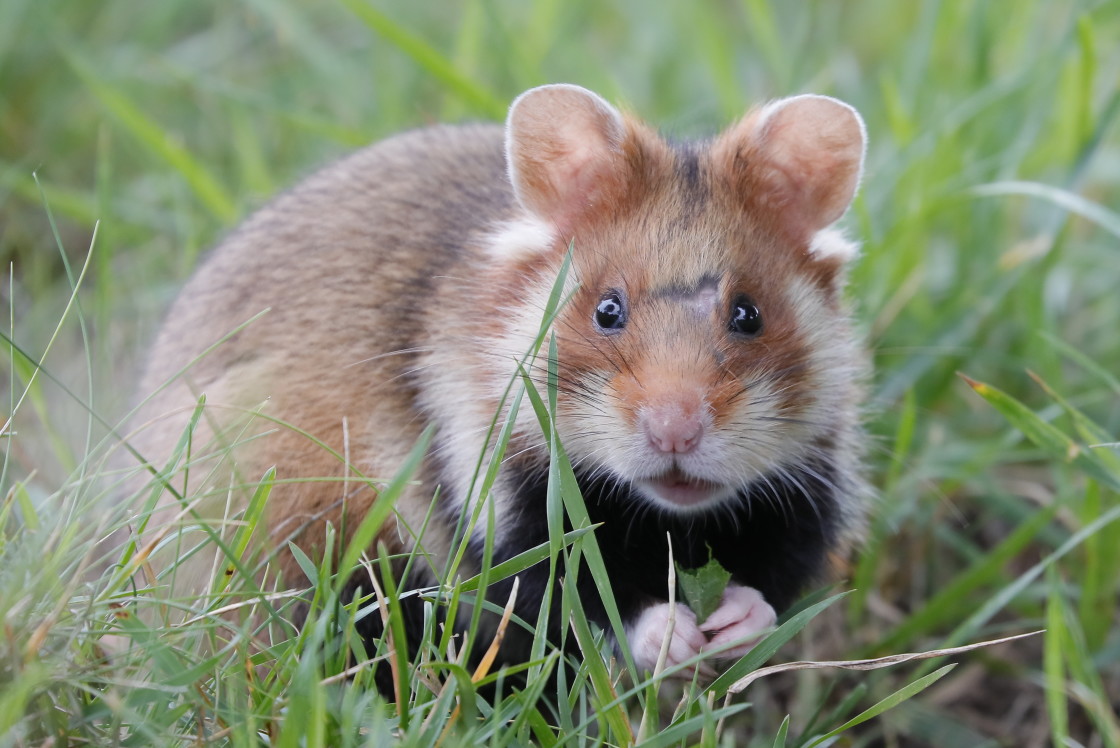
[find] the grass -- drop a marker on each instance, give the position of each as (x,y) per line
(990,228)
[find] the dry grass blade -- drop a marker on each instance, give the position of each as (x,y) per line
(487,661)
(383,609)
(869,664)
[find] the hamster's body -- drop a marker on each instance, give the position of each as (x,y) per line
(708,377)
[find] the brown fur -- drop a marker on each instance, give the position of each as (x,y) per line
(395,301)
(345,271)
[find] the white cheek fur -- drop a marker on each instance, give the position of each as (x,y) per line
(835,367)
(468,395)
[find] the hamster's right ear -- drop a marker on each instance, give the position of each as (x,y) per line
(564,152)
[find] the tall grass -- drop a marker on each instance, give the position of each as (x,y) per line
(990,227)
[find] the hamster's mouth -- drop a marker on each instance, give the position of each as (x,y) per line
(683,490)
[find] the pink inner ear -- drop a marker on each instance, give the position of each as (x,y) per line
(802,159)
(563,144)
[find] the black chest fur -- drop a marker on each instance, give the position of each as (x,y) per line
(774,537)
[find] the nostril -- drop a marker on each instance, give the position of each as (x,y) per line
(671,430)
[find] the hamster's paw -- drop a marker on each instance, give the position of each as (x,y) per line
(648,632)
(741,617)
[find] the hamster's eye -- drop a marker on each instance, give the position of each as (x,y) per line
(610,314)
(745,317)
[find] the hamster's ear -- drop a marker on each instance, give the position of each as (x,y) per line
(564,152)
(796,162)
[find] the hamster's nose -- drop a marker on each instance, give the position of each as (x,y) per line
(673,427)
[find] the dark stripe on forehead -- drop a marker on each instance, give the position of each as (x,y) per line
(688,166)
(677,291)
(688,173)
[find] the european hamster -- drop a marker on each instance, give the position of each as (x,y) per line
(709,378)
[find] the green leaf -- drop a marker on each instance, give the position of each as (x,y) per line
(702,588)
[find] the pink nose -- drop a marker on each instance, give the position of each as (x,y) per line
(671,429)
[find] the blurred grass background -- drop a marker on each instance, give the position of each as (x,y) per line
(989,215)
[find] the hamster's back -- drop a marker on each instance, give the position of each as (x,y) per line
(326,289)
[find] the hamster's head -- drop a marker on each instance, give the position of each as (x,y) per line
(705,346)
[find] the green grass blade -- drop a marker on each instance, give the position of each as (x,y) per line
(362,539)
(945,605)
(615,716)
(523,560)
(683,732)
(1087,429)
(1106,376)
(783,732)
(1064,199)
(1053,665)
(392,600)
(253,516)
(427,57)
(1046,435)
(766,648)
(147,131)
(1009,592)
(17,694)
(890,702)
(70,203)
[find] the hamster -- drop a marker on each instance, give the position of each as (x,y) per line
(709,376)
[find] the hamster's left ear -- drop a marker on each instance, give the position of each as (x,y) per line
(796,162)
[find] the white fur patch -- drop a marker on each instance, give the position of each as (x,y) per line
(830,242)
(466,396)
(520,237)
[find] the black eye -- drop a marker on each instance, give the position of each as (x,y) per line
(745,317)
(610,314)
